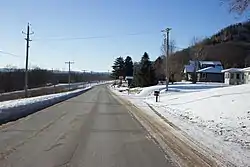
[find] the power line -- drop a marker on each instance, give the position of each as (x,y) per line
(11,54)
(92,37)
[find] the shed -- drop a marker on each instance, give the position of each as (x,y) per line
(233,76)
(246,75)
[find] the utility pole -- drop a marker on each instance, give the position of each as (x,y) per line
(27,58)
(69,63)
(166,50)
(83,77)
(53,80)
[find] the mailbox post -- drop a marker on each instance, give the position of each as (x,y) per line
(156,93)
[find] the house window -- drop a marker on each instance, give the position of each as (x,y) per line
(232,75)
(237,76)
(227,75)
(204,75)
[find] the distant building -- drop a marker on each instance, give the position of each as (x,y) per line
(246,75)
(210,74)
(129,80)
(207,71)
(233,76)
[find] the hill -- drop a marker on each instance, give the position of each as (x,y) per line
(230,45)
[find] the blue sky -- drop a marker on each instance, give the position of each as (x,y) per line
(52,19)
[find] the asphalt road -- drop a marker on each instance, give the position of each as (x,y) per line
(91,130)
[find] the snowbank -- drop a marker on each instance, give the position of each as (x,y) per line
(218,118)
(14,109)
(181,87)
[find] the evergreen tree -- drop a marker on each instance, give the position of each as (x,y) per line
(118,68)
(128,66)
(146,72)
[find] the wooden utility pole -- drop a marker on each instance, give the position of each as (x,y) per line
(27,58)
(53,80)
(83,78)
(69,63)
(166,50)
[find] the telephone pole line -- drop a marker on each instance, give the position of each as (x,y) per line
(69,63)
(166,50)
(27,58)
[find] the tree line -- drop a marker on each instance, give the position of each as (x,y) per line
(13,79)
(143,72)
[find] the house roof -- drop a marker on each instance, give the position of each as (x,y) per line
(207,62)
(232,70)
(216,69)
(246,69)
(211,62)
(188,68)
(129,77)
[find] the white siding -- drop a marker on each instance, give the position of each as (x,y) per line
(227,76)
(234,78)
(247,77)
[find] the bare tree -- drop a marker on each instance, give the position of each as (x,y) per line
(238,6)
(247,61)
(10,67)
(197,53)
(172,47)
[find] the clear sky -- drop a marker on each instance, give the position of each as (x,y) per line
(116,19)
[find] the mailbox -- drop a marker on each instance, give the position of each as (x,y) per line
(156,93)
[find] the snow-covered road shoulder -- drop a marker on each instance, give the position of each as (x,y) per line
(216,117)
(15,109)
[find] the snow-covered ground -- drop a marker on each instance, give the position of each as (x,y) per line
(26,101)
(15,109)
(214,115)
(178,87)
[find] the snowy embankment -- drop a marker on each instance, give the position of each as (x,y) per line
(178,87)
(219,119)
(14,109)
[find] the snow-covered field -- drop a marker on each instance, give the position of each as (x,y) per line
(214,115)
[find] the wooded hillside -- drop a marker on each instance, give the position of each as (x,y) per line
(230,45)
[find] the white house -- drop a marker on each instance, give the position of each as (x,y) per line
(246,75)
(233,76)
